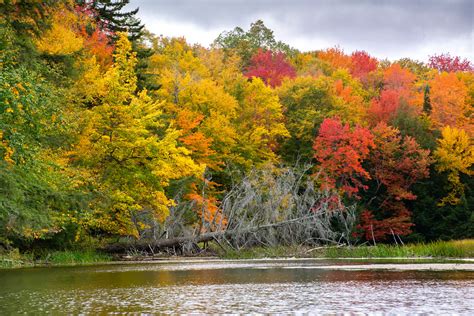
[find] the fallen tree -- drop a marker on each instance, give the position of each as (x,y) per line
(268,207)
(156,245)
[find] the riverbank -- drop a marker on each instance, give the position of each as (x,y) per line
(458,249)
(15,259)
(438,249)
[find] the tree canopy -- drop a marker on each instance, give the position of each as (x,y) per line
(108,131)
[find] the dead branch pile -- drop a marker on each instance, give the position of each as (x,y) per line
(270,206)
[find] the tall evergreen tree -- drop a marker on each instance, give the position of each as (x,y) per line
(426,100)
(109,14)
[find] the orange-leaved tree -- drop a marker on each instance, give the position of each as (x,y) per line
(448,96)
(336,58)
(398,89)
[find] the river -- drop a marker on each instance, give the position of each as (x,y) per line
(241,286)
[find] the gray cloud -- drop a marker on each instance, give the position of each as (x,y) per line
(385,28)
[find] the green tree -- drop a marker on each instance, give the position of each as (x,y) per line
(246,44)
(307,102)
(32,190)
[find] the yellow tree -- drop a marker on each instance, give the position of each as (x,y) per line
(128,153)
(224,68)
(217,108)
(260,123)
(308,64)
(197,101)
(204,113)
(200,108)
(454,155)
(90,85)
(61,38)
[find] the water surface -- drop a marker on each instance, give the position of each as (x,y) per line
(240,286)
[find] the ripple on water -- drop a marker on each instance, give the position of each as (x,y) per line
(400,297)
(235,287)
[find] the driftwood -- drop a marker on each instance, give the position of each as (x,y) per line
(147,244)
(268,207)
(150,244)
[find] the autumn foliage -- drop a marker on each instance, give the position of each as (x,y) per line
(97,43)
(336,57)
(362,64)
(271,67)
(448,63)
(448,97)
(397,78)
(385,107)
(340,152)
(396,163)
(108,131)
(454,155)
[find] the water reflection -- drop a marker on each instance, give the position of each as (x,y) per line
(234,287)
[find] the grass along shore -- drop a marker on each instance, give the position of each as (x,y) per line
(15,259)
(438,250)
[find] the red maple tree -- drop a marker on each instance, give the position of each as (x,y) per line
(448,63)
(396,163)
(385,107)
(271,67)
(362,64)
(397,78)
(340,152)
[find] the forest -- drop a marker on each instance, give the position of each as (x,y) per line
(111,135)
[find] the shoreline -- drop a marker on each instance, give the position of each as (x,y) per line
(214,263)
(458,251)
(368,263)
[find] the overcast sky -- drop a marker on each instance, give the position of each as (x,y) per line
(386,29)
